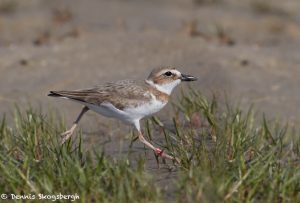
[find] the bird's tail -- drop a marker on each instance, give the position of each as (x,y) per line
(55,94)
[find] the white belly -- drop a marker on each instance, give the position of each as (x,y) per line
(130,114)
(145,109)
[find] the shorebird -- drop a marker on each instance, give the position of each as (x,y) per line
(127,100)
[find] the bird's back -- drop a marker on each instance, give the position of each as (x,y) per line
(121,94)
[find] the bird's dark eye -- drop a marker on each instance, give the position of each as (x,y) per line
(168,73)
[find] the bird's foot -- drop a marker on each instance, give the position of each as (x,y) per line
(66,135)
(161,153)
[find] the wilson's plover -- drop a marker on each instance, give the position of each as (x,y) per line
(128,100)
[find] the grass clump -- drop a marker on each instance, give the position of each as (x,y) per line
(229,156)
(226,155)
(32,162)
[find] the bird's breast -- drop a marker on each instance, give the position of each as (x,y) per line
(146,108)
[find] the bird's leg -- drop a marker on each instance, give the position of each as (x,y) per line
(157,151)
(66,135)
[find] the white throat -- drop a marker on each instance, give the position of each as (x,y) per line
(165,88)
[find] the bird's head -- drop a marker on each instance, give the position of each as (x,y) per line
(166,79)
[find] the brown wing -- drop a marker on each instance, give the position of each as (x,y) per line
(120,94)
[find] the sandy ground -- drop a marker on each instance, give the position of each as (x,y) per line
(248,50)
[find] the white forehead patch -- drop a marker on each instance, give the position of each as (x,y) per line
(176,72)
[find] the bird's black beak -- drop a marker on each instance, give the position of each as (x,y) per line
(187,78)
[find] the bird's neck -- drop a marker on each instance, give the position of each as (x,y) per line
(159,95)
(166,88)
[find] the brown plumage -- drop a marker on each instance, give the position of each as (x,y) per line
(120,94)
